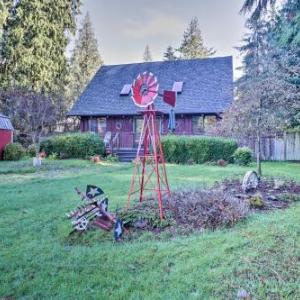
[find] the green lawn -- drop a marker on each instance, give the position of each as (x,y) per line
(38,260)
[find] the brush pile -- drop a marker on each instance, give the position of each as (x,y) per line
(221,206)
(207,208)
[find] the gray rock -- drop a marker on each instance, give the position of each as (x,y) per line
(250,181)
(272,198)
(278,184)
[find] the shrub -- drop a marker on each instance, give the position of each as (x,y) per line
(53,156)
(256,201)
(14,152)
(242,156)
(112,158)
(31,150)
(145,215)
(76,145)
(183,149)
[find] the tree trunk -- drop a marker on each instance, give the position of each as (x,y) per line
(37,160)
(258,154)
(36,142)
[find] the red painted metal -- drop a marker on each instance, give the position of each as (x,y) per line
(170,98)
(149,175)
(5,138)
(144,89)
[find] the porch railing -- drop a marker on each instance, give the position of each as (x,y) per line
(128,140)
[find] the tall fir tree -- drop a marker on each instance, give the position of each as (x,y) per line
(192,45)
(170,54)
(256,7)
(250,113)
(147,56)
(85,60)
(5,6)
(267,99)
(289,24)
(35,37)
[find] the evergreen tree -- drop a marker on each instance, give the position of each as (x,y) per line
(170,54)
(147,56)
(34,43)
(289,24)
(192,45)
(5,5)
(256,7)
(85,60)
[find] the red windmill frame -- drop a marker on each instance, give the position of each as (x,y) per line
(149,174)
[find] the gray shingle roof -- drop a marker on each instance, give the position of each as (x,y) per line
(5,123)
(208,87)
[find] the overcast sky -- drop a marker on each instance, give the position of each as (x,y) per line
(124,27)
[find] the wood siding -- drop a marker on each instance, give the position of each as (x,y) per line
(124,127)
(6,137)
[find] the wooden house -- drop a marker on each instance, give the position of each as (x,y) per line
(204,90)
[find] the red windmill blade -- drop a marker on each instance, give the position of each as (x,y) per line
(144,89)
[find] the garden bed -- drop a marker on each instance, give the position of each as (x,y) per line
(223,205)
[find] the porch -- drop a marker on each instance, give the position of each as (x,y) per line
(122,133)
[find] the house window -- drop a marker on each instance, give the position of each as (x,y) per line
(97,125)
(198,124)
(102,126)
(93,125)
(210,123)
(138,123)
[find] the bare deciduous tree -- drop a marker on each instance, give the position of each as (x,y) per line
(32,113)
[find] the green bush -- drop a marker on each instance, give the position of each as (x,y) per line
(242,156)
(112,158)
(200,149)
(31,150)
(75,145)
(14,152)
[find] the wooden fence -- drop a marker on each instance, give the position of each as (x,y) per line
(284,147)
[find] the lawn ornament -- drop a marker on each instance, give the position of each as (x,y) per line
(149,175)
(94,212)
(118,231)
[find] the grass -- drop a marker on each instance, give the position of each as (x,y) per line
(38,260)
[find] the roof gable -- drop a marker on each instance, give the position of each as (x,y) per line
(5,123)
(208,87)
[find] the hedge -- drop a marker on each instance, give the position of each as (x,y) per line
(201,149)
(75,145)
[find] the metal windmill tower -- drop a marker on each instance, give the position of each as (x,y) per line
(149,174)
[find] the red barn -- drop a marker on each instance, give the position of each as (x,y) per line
(6,133)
